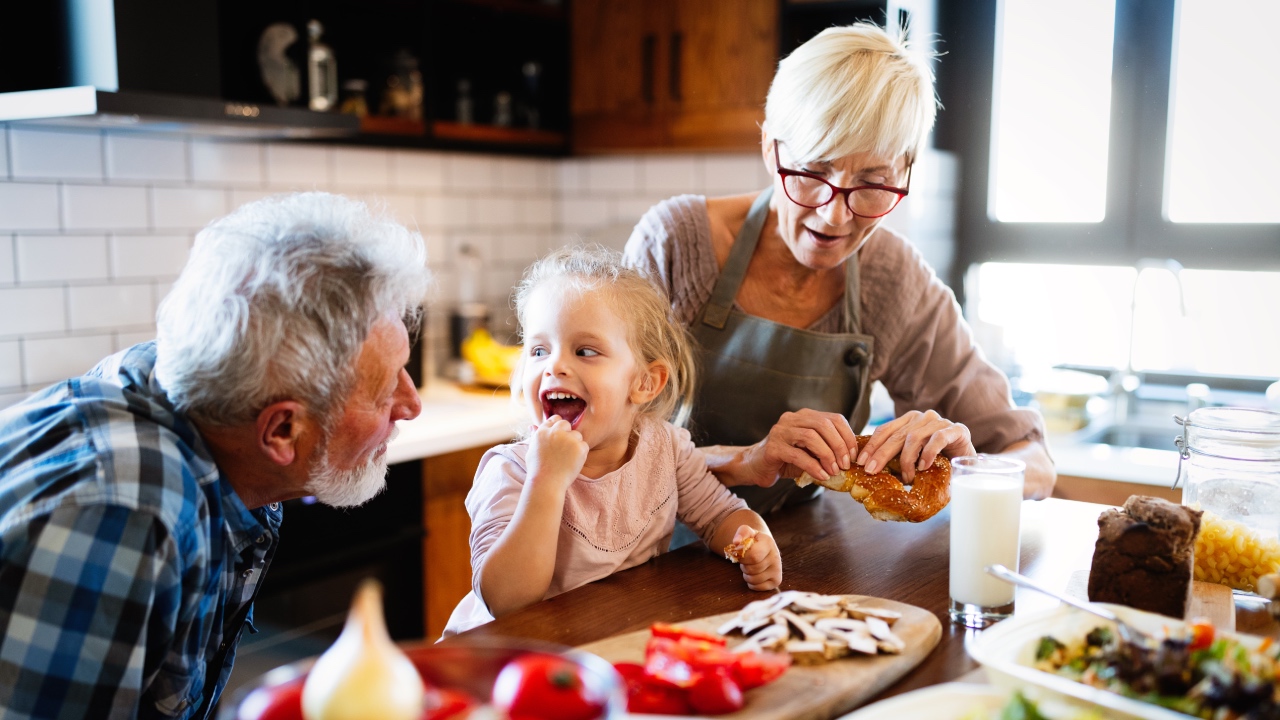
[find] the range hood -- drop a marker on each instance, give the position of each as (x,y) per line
(148,65)
(87,106)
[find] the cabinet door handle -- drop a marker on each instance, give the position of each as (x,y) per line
(677,51)
(648,48)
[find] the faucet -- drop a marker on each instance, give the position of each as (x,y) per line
(1125,384)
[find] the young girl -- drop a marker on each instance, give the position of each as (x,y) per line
(598,484)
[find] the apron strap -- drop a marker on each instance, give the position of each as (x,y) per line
(852,296)
(735,268)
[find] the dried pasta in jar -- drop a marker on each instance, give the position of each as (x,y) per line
(1231,553)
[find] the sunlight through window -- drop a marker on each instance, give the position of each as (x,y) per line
(1051,110)
(1223,144)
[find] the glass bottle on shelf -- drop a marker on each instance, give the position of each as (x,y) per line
(502,114)
(532,72)
(354,101)
(322,71)
(402,97)
(465,116)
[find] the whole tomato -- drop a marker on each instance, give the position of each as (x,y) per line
(715,693)
(538,686)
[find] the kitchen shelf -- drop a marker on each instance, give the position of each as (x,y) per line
(520,7)
(380,125)
(446,130)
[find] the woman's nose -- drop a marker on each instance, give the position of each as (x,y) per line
(836,212)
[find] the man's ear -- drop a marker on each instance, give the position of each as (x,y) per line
(650,383)
(280,427)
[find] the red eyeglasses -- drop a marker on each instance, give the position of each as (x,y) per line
(865,201)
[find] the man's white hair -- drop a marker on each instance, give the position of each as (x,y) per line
(851,89)
(277,300)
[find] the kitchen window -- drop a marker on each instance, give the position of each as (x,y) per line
(1103,143)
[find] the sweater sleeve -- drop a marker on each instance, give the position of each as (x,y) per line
(704,502)
(672,242)
(491,503)
(925,353)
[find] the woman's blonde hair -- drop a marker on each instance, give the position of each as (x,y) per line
(653,332)
(852,89)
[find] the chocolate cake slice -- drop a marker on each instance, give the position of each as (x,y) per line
(1144,556)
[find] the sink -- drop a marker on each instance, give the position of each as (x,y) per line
(1132,435)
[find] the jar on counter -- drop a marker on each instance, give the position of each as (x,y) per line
(1230,465)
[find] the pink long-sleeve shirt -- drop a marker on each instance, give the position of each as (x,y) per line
(610,523)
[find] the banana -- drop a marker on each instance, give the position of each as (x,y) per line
(492,360)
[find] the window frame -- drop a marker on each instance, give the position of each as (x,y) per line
(1134,226)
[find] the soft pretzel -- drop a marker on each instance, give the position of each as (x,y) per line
(883,494)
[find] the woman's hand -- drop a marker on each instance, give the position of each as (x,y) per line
(557,452)
(916,438)
(761,563)
(819,443)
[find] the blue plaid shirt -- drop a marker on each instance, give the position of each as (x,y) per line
(128,565)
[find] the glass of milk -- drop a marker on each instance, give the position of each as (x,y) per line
(986,504)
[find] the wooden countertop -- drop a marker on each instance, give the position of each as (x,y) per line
(830,545)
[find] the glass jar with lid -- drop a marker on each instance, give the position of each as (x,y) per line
(1230,465)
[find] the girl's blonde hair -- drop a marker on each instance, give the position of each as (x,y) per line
(852,89)
(653,332)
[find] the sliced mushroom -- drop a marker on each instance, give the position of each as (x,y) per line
(813,617)
(806,629)
(812,602)
(859,641)
(807,653)
(885,638)
(833,649)
(862,612)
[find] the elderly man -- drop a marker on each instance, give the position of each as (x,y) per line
(140,503)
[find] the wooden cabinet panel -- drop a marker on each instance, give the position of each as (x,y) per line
(728,53)
(668,74)
(1109,492)
(446,556)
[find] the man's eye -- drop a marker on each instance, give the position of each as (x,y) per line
(587,352)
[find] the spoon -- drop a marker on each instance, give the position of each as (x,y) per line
(1128,633)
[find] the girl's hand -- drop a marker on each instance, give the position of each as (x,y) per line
(557,452)
(819,443)
(916,438)
(761,563)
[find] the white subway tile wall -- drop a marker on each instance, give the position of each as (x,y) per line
(10,365)
(4,153)
(54,155)
(96,226)
(28,206)
(6,260)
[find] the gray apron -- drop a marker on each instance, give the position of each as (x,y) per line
(752,370)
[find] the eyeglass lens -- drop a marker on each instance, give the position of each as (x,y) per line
(812,192)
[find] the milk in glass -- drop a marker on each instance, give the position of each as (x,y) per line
(985,511)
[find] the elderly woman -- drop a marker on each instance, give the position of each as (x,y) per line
(799,299)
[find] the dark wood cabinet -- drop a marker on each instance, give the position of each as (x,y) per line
(446,556)
(668,74)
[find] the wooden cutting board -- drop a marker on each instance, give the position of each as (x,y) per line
(810,692)
(1209,600)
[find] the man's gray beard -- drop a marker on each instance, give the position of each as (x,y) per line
(348,488)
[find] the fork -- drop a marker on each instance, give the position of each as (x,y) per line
(1128,633)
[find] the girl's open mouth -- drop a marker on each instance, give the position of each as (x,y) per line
(568,406)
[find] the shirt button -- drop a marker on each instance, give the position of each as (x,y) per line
(246,573)
(274,507)
(261,538)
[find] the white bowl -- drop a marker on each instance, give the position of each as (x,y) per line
(947,701)
(1007,651)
